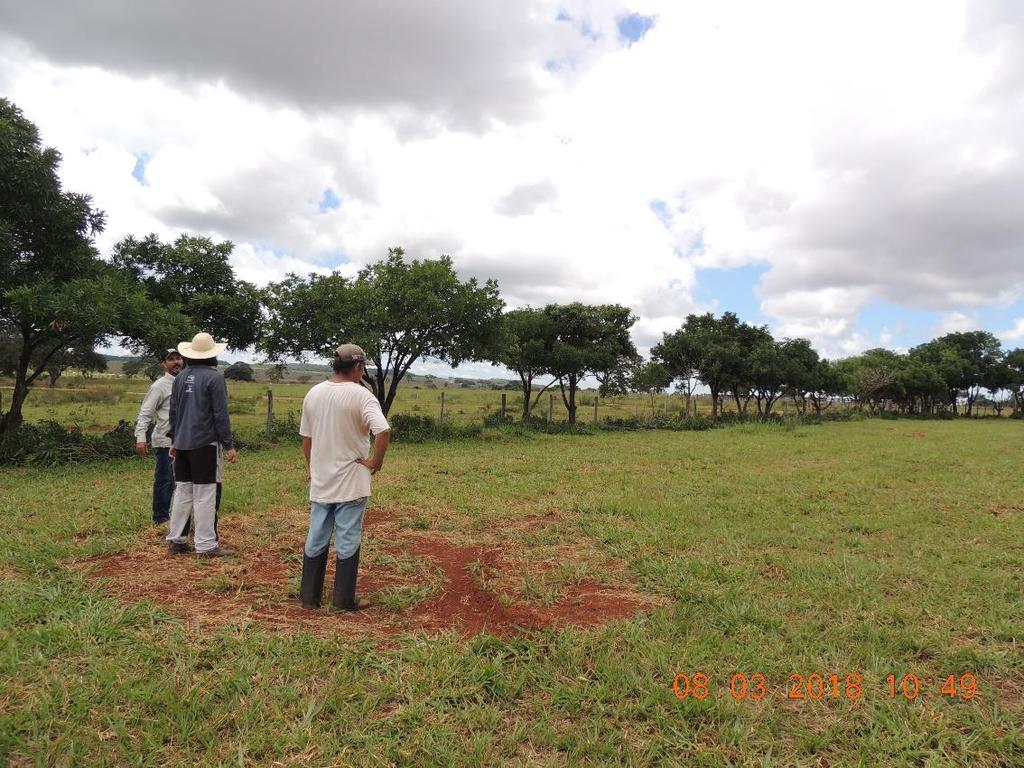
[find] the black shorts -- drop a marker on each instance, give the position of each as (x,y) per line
(198,465)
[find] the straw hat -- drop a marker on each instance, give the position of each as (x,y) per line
(202,347)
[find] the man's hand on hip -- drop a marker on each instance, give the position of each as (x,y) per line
(369,465)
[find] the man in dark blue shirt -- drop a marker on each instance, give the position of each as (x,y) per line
(199,429)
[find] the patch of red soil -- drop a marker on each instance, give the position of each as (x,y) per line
(465,605)
(998,510)
(255,586)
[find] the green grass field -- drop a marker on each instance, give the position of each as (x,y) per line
(867,548)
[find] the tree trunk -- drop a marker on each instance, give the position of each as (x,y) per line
(527,393)
(570,399)
(378,383)
(13,418)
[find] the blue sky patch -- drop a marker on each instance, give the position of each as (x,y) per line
(585,29)
(334,260)
(732,290)
(139,171)
(660,208)
(330,200)
(634,26)
(906,327)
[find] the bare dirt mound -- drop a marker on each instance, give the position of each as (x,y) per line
(418,580)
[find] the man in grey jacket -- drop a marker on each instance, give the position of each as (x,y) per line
(154,410)
(199,428)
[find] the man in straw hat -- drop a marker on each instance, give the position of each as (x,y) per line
(338,416)
(199,428)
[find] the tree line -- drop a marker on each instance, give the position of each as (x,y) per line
(60,299)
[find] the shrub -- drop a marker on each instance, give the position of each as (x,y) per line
(496,419)
(284,430)
(558,427)
(674,423)
(413,428)
(239,371)
(49,444)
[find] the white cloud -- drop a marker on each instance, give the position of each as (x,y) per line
(761,133)
(1014,334)
(955,322)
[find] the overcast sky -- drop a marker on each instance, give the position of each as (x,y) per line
(850,172)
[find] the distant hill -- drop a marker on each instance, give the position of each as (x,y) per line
(309,372)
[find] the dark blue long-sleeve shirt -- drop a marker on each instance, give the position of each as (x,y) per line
(199,409)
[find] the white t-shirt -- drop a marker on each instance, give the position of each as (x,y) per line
(339,418)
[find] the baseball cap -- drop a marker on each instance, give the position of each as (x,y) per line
(168,353)
(350,353)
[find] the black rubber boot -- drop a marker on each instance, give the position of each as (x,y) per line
(313,571)
(345,575)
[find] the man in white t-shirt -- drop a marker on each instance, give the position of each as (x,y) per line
(338,417)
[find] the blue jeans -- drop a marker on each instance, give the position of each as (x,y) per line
(163,485)
(344,519)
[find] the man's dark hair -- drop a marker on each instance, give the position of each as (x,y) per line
(341,366)
(210,361)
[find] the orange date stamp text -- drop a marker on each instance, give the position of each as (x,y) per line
(816,686)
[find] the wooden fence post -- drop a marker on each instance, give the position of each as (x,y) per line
(551,405)
(596,399)
(504,397)
(442,406)
(270,413)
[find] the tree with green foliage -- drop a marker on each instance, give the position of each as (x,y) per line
(524,346)
(590,340)
(398,311)
(56,293)
(800,364)
(712,348)
(999,382)
(777,367)
(78,357)
(963,360)
(825,382)
(874,378)
(151,368)
(239,371)
(194,276)
(920,383)
(1014,361)
(650,378)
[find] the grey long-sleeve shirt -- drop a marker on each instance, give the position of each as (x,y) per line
(154,410)
(199,409)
